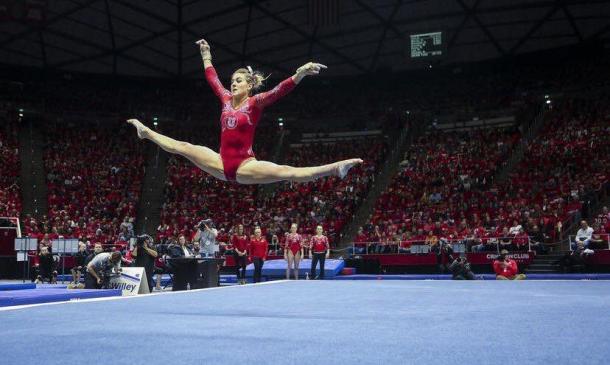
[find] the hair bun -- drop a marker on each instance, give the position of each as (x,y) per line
(254,77)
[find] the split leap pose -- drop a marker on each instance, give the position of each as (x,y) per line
(241,111)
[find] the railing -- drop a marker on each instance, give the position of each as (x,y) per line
(15,221)
(604,241)
(422,247)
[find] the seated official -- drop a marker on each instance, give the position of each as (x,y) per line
(584,235)
(100,269)
(185,273)
(181,249)
(79,262)
(46,267)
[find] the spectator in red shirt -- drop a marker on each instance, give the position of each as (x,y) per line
(258,252)
(240,249)
(321,251)
(506,268)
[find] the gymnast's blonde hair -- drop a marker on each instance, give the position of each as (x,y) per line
(253,77)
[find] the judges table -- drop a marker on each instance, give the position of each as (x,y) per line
(198,272)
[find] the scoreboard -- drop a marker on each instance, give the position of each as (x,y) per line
(426,45)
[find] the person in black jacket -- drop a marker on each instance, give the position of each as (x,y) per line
(46,267)
(145,255)
(185,273)
(79,262)
(97,249)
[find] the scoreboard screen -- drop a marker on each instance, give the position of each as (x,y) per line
(426,45)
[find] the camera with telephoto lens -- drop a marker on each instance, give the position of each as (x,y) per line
(141,240)
(206,222)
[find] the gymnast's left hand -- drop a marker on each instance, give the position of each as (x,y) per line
(310,68)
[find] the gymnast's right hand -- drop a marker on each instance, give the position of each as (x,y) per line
(204,49)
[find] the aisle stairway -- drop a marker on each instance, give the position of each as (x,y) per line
(383,178)
(152,197)
(32,173)
(543,264)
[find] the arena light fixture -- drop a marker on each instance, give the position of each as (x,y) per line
(281,124)
(548,101)
(280,119)
(155,119)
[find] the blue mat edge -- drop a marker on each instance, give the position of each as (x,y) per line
(20,286)
(66,296)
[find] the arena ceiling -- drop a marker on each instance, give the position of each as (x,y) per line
(156,37)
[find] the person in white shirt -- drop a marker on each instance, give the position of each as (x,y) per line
(515,228)
(583,235)
(206,235)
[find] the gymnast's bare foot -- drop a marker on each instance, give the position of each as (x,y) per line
(141,128)
(344,166)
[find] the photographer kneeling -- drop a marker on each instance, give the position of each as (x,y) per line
(460,269)
(101,268)
(145,255)
(506,268)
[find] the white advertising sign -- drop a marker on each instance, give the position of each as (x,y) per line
(132,281)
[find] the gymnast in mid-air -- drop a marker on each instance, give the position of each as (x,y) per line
(241,112)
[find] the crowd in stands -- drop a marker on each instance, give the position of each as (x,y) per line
(565,163)
(10,192)
(441,190)
(191,195)
(94,178)
(445,190)
(330,201)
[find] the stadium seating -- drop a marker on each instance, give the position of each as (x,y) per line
(94,176)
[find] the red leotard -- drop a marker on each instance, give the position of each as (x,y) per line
(238,125)
(293,242)
(319,244)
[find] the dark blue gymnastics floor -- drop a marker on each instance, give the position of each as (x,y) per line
(324,322)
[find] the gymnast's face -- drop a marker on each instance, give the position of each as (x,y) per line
(293,228)
(319,230)
(257,232)
(239,85)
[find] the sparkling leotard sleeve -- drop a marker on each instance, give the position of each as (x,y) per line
(212,77)
(269,97)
